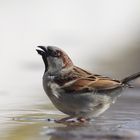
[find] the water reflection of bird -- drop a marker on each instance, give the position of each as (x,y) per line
(75,91)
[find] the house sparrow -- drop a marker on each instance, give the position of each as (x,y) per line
(77,92)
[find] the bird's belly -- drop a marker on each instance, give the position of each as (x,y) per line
(81,105)
(86,104)
(90,104)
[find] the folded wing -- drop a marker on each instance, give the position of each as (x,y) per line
(90,82)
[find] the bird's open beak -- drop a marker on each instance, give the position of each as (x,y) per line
(42,50)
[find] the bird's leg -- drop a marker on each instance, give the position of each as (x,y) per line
(63,120)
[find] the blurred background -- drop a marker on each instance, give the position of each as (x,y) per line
(102,36)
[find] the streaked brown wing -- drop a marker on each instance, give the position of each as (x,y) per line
(80,72)
(89,84)
(74,74)
(79,80)
(102,84)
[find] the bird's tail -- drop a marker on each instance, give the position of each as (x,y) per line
(129,80)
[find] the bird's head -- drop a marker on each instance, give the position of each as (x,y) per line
(54,58)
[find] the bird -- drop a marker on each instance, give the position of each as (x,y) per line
(77,92)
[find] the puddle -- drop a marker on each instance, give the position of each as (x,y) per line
(36,122)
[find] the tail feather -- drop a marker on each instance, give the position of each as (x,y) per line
(129,79)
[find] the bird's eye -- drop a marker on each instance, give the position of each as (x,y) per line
(55,53)
(58,53)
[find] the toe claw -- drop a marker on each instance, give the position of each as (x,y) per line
(82,120)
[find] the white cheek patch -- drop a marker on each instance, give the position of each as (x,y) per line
(55,64)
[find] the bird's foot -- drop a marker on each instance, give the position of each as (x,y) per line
(72,120)
(83,120)
(65,120)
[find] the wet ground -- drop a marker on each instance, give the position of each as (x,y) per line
(26,117)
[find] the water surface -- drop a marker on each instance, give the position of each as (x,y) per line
(29,119)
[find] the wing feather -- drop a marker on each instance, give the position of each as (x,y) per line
(86,81)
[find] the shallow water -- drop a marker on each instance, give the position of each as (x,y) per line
(28,119)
